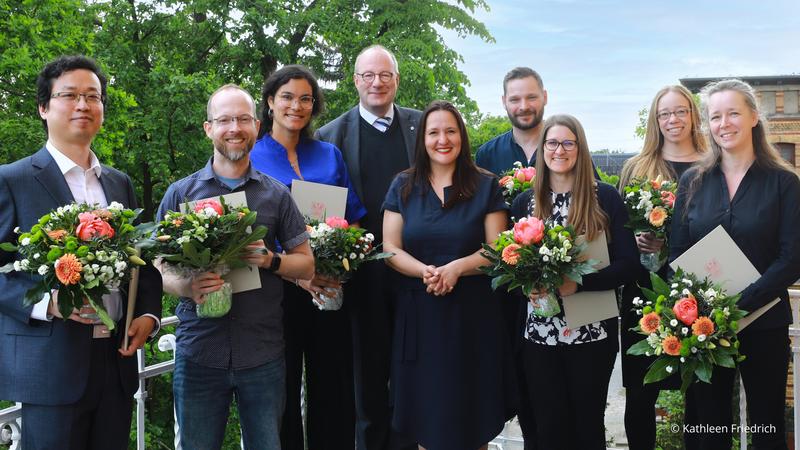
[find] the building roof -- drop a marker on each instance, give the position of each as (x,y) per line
(695,84)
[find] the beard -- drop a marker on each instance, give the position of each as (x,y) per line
(537,119)
(234,153)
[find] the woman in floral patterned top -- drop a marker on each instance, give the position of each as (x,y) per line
(567,371)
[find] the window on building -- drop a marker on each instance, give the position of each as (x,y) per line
(787,151)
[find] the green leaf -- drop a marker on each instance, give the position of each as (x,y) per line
(659,285)
(8,247)
(658,370)
(704,371)
(640,348)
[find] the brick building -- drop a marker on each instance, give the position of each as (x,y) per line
(779,99)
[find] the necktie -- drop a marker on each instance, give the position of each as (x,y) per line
(382,123)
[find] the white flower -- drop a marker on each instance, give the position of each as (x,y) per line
(683,360)
(115,206)
(687,282)
(545,258)
(17,266)
(16,230)
(701,338)
(43,269)
(36,255)
(694,349)
(26,241)
(673,322)
(686,292)
(630,194)
(648,354)
(636,300)
(120,266)
(673,293)
(361,256)
(545,251)
(710,293)
(674,286)
(668,369)
(24,264)
(685,331)
(353,256)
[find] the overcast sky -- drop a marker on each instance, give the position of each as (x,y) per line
(603,60)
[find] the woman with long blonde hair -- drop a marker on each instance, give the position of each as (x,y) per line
(673,142)
(744,186)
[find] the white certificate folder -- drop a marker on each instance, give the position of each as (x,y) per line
(583,308)
(318,201)
(245,278)
(717,257)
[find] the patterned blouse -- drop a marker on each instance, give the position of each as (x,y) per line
(553,330)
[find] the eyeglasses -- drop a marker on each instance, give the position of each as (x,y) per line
(552,145)
(243,120)
(369,77)
(90,97)
(305,101)
(679,113)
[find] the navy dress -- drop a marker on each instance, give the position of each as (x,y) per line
(450,355)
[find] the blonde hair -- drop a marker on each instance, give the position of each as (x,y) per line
(766,155)
(649,162)
(585,214)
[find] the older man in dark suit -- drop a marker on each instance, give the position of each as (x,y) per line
(377,140)
(75,382)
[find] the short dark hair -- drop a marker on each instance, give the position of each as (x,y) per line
(60,65)
(278,79)
(519,73)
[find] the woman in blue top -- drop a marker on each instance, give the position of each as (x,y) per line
(285,150)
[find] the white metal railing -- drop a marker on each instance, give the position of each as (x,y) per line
(11,422)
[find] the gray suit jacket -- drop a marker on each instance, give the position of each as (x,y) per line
(343,133)
(48,362)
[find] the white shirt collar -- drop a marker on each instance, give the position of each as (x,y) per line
(65,164)
(371,118)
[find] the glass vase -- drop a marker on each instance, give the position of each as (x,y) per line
(217,304)
(652,261)
(332,299)
(546,305)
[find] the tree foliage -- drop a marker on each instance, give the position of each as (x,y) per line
(165,57)
(487,129)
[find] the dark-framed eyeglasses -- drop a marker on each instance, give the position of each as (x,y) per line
(568,145)
(304,101)
(369,77)
(680,113)
(90,97)
(243,120)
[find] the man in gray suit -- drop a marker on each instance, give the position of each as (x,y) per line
(377,140)
(75,383)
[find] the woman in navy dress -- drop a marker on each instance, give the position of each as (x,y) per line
(673,142)
(746,187)
(291,97)
(450,355)
(567,371)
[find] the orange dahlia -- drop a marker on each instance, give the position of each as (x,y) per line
(672,345)
(703,325)
(649,322)
(68,269)
(56,235)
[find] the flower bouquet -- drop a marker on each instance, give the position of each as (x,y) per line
(81,250)
(339,250)
(515,181)
(690,326)
(209,237)
(650,206)
(535,255)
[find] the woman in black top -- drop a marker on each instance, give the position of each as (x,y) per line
(567,371)
(673,142)
(746,187)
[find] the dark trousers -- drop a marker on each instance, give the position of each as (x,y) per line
(567,389)
(640,416)
(99,420)
(371,303)
(763,374)
(321,339)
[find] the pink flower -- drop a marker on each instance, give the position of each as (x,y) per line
(210,203)
(91,226)
(685,310)
(511,254)
(668,198)
(529,230)
(336,222)
(525,174)
(503,181)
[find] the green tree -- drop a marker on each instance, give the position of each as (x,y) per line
(487,128)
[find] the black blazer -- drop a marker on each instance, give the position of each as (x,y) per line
(48,362)
(343,133)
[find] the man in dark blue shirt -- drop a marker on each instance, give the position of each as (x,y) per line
(524,99)
(240,353)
